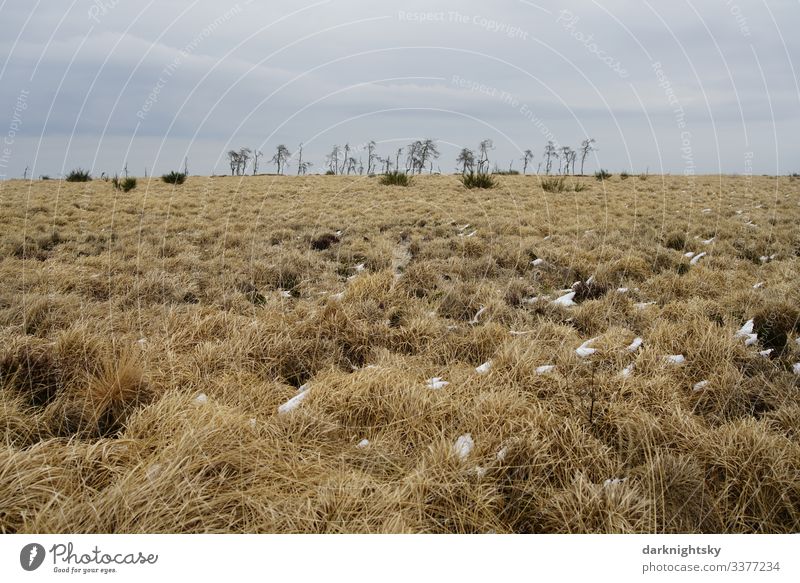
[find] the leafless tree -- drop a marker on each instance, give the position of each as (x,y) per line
(565,159)
(256,155)
(397,158)
(370,156)
(526,159)
(333,160)
(351,164)
(300,158)
(233,160)
(549,153)
(281,156)
(466,159)
(483,156)
(345,158)
(587,146)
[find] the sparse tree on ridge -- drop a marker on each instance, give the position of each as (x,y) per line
(549,153)
(281,156)
(244,158)
(333,160)
(466,159)
(233,160)
(345,157)
(256,155)
(587,146)
(370,157)
(565,159)
(526,159)
(397,158)
(483,156)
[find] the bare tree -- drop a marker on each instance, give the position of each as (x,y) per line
(466,159)
(244,158)
(234,161)
(370,156)
(333,160)
(345,158)
(351,164)
(483,156)
(397,158)
(281,156)
(565,159)
(526,159)
(299,158)
(549,153)
(412,157)
(256,155)
(587,146)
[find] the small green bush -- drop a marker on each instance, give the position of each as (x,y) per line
(174,177)
(602,174)
(124,184)
(479,180)
(624,175)
(78,175)
(554,184)
(396,179)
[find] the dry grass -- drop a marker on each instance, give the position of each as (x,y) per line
(148,338)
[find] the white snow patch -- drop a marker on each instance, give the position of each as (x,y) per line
(745,330)
(478,315)
(293,403)
(634,346)
(565,300)
(700,386)
(622,290)
(583,350)
(252,423)
(697,258)
(436,383)
(501,455)
(285,293)
(796,368)
(689,254)
(613,482)
(484,368)
(708,241)
(765,353)
(363,444)
(545,368)
(537,262)
(643,305)
(463,446)
(201,399)
(627,371)
(675,359)
(758,284)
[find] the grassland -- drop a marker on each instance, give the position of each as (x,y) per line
(147,340)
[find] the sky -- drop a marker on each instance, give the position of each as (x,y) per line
(681,87)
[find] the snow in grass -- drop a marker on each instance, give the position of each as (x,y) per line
(436,383)
(689,254)
(699,386)
(501,455)
(364,443)
(484,368)
(293,403)
(478,315)
(796,368)
(201,399)
(545,368)
(746,332)
(463,446)
(584,350)
(565,300)
(627,371)
(141,342)
(613,482)
(675,359)
(765,353)
(697,258)
(634,346)
(643,305)
(622,290)
(537,262)
(252,423)
(758,284)
(708,241)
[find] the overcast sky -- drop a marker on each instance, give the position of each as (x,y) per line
(679,86)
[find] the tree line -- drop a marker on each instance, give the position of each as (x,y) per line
(419,157)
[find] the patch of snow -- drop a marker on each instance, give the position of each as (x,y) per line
(153,471)
(634,346)
(478,315)
(700,386)
(796,368)
(252,423)
(200,399)
(501,455)
(545,368)
(537,262)
(745,330)
(565,300)
(706,210)
(480,471)
(338,296)
(675,359)
(613,482)
(359,268)
(463,446)
(627,371)
(583,350)
(689,254)
(293,403)
(622,290)
(484,368)
(708,241)
(363,444)
(697,258)
(436,383)
(285,293)
(765,353)
(758,284)
(643,305)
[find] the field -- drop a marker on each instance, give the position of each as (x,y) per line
(148,339)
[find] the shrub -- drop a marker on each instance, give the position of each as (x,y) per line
(602,174)
(507,172)
(644,175)
(554,184)
(174,177)
(44,177)
(78,175)
(675,240)
(330,173)
(396,178)
(125,184)
(579,187)
(624,175)
(479,180)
